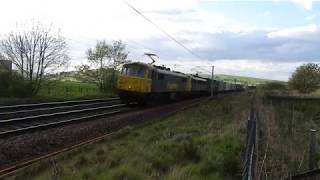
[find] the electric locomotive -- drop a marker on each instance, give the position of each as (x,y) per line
(147,83)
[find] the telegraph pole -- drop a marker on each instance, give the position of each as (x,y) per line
(212,81)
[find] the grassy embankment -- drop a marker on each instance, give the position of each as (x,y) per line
(206,142)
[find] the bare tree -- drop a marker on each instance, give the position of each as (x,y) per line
(106,59)
(34,51)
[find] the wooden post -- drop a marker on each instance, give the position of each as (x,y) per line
(212,72)
(312,150)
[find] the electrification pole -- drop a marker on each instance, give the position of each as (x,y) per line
(212,81)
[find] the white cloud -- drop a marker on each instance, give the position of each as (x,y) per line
(266,13)
(311,17)
(307,4)
(295,32)
(240,67)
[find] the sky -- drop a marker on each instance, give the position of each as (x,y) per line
(264,39)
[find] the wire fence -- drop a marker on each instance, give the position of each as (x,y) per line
(248,172)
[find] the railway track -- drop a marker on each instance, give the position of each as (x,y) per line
(123,120)
(21,118)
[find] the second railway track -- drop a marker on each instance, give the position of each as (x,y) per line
(21,118)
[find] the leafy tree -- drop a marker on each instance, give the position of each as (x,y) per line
(105,60)
(89,75)
(306,78)
(34,51)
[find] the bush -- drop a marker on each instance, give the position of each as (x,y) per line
(13,85)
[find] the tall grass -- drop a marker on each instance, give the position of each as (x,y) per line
(285,136)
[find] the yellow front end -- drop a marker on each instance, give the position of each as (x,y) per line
(134,84)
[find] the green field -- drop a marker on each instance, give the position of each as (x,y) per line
(206,142)
(67,89)
(59,91)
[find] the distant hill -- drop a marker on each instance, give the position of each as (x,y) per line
(240,79)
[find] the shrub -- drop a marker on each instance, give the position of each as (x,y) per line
(271,86)
(13,85)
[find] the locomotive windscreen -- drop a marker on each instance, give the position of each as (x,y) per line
(133,70)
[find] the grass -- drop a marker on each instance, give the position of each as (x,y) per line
(316,93)
(284,137)
(67,89)
(206,142)
(59,91)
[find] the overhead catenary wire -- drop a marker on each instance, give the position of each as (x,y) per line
(162,30)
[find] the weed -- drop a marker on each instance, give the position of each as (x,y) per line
(81,161)
(126,173)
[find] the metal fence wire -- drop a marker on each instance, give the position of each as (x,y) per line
(248,172)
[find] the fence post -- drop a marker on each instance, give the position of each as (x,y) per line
(312,150)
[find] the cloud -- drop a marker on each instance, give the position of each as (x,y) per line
(283,45)
(266,14)
(240,67)
(307,4)
(295,32)
(311,17)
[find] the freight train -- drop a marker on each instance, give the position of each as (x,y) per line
(143,83)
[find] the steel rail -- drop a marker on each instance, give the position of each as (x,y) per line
(54,103)
(58,114)
(50,124)
(18,167)
(55,108)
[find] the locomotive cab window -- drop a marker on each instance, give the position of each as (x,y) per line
(137,71)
